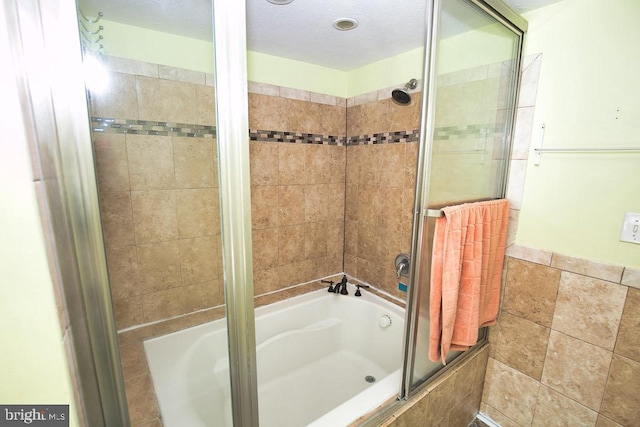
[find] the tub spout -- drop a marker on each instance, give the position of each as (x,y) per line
(343,286)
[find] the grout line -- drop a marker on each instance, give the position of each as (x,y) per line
(487,420)
(155,322)
(535,408)
(615,342)
(501,413)
(606,383)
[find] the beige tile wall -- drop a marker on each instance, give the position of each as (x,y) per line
(378,215)
(380,185)
(451,401)
(159,205)
(297,205)
(158,195)
(565,350)
(297,190)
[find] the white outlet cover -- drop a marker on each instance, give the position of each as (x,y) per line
(631,228)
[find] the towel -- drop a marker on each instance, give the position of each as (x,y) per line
(466,270)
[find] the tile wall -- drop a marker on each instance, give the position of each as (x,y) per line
(297,158)
(565,350)
(158,185)
(380,185)
(450,401)
(157,179)
(529,76)
(380,162)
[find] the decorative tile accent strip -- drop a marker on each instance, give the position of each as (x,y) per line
(148,127)
(295,137)
(386,137)
(475,131)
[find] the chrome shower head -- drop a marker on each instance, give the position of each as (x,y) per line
(402,96)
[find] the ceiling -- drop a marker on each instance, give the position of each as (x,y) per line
(303,30)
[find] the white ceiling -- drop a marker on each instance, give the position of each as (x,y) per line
(302,30)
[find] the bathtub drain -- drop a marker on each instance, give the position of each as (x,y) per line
(370,379)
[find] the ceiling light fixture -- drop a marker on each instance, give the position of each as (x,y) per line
(345,24)
(280,2)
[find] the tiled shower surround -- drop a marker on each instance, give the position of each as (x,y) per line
(156,163)
(154,139)
(380,190)
(155,153)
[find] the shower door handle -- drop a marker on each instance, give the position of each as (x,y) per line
(402,265)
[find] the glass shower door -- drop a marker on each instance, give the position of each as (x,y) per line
(468,142)
(163,166)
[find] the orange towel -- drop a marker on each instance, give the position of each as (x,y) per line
(466,269)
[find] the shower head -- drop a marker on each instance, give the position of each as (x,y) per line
(402,96)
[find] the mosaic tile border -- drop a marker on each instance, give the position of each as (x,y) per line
(148,127)
(386,137)
(295,137)
(457,132)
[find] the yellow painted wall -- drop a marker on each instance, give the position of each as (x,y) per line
(396,70)
(299,75)
(587,97)
(127,41)
(33,366)
(156,47)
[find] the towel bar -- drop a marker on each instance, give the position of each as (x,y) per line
(437,213)
(433,213)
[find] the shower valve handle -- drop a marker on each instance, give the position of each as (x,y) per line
(402,265)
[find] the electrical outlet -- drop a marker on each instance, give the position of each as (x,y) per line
(631,228)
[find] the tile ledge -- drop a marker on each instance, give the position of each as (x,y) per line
(587,267)
(525,253)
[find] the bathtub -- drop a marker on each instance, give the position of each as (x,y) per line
(323,360)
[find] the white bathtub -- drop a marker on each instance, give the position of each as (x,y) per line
(314,352)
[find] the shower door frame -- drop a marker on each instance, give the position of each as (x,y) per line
(422,222)
(56,121)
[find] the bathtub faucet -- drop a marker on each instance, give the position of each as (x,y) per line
(358,293)
(330,282)
(343,284)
